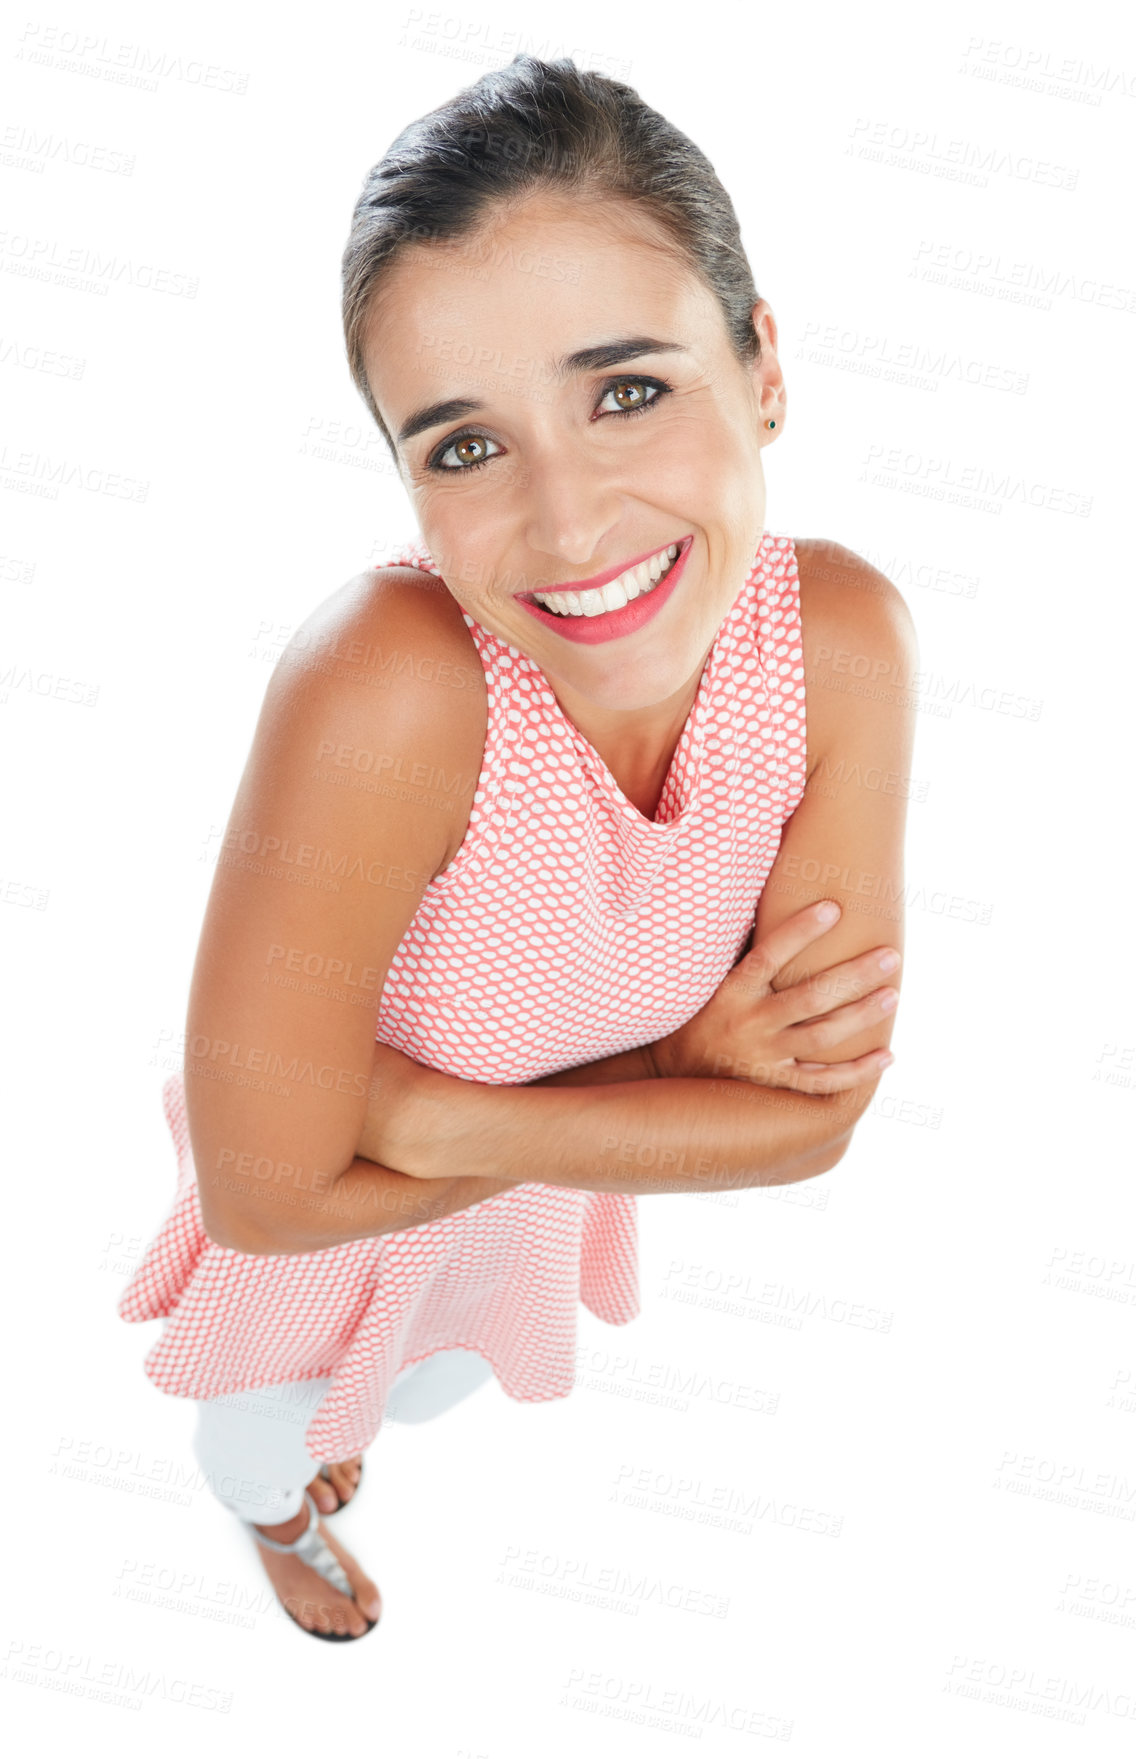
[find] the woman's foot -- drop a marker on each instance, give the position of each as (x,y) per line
(303,1592)
(338,1487)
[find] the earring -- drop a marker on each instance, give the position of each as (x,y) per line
(771,424)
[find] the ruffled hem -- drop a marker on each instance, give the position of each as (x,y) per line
(503,1278)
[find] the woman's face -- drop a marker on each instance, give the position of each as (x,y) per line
(552,474)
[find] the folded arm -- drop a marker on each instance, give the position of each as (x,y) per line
(645,1136)
(596,1128)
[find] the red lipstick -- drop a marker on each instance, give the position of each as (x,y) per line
(610,625)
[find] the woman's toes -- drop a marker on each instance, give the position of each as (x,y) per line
(343,1479)
(324,1495)
(337,1617)
(301,1610)
(340,1619)
(368,1600)
(367,1596)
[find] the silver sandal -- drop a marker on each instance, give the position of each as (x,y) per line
(316,1552)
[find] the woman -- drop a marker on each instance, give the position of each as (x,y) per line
(484,926)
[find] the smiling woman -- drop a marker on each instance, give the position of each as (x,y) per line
(645,770)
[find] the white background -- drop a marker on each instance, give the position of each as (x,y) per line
(938,208)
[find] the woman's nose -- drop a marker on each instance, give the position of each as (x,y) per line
(568,510)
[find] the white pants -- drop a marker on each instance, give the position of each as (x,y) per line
(250,1445)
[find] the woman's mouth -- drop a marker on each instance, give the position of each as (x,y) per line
(620,606)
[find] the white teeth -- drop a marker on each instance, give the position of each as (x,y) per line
(615,594)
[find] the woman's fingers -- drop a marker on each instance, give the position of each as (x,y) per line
(815,1036)
(827,992)
(837,1077)
(775,949)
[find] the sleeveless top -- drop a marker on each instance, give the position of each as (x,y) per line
(567,927)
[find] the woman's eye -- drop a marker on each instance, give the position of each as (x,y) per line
(469,449)
(631,395)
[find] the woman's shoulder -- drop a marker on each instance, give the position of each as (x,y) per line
(391,650)
(381,607)
(401,630)
(842,593)
(858,641)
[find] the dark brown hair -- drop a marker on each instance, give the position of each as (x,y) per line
(554,125)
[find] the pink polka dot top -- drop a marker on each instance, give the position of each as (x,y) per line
(566,928)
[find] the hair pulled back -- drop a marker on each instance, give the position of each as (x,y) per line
(540,124)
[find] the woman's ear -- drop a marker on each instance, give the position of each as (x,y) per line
(765,370)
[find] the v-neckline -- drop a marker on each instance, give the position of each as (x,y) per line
(686,744)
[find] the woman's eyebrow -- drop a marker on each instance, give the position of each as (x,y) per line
(582,360)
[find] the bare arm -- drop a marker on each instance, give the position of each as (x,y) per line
(632,1136)
(363,1203)
(845,841)
(369,1199)
(322,880)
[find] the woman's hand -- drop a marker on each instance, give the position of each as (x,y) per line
(749,1031)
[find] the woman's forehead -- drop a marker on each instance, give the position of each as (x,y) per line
(559,281)
(588,218)
(546,237)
